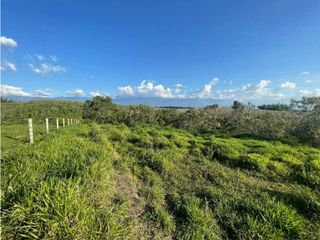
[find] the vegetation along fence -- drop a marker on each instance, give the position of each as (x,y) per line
(70,121)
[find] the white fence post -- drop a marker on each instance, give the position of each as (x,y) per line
(30,130)
(47,125)
(63,122)
(68,121)
(57,121)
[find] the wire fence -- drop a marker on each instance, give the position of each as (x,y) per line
(59,123)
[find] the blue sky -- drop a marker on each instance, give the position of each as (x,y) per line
(246,50)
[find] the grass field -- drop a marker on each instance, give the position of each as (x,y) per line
(145,182)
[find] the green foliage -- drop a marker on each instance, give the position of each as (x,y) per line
(149,182)
(19,112)
(275,160)
(308,128)
(196,120)
(305,104)
(213,106)
(6,100)
(275,107)
(100,109)
(288,126)
(238,105)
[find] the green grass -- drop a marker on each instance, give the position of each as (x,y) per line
(14,136)
(19,112)
(146,182)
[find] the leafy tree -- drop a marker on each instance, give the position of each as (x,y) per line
(238,105)
(100,109)
(6,100)
(305,104)
(196,120)
(275,107)
(308,128)
(213,106)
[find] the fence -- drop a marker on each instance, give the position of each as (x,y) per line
(70,121)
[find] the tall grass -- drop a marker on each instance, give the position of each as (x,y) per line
(146,182)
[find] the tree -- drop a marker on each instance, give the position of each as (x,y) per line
(238,105)
(275,107)
(100,109)
(305,104)
(213,106)
(308,129)
(6,100)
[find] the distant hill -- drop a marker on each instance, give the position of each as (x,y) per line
(29,99)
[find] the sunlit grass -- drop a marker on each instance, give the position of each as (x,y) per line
(146,182)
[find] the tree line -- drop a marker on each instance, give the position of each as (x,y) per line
(299,121)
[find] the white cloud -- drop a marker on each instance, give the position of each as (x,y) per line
(308,81)
(288,85)
(76,92)
(43,93)
(54,58)
(259,91)
(96,94)
(8,66)
(11,66)
(46,69)
(262,90)
(7,90)
(317,92)
(206,92)
(263,84)
(178,89)
(128,90)
(147,89)
(39,57)
(8,42)
(44,66)
(305,73)
(305,92)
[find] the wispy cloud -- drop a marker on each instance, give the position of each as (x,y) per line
(46,69)
(76,92)
(39,57)
(44,66)
(8,42)
(305,92)
(288,85)
(96,94)
(43,93)
(206,92)
(305,73)
(261,90)
(54,58)
(7,90)
(8,67)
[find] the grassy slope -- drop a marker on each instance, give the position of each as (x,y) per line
(18,112)
(91,182)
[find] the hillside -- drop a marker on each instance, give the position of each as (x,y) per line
(148,182)
(19,112)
